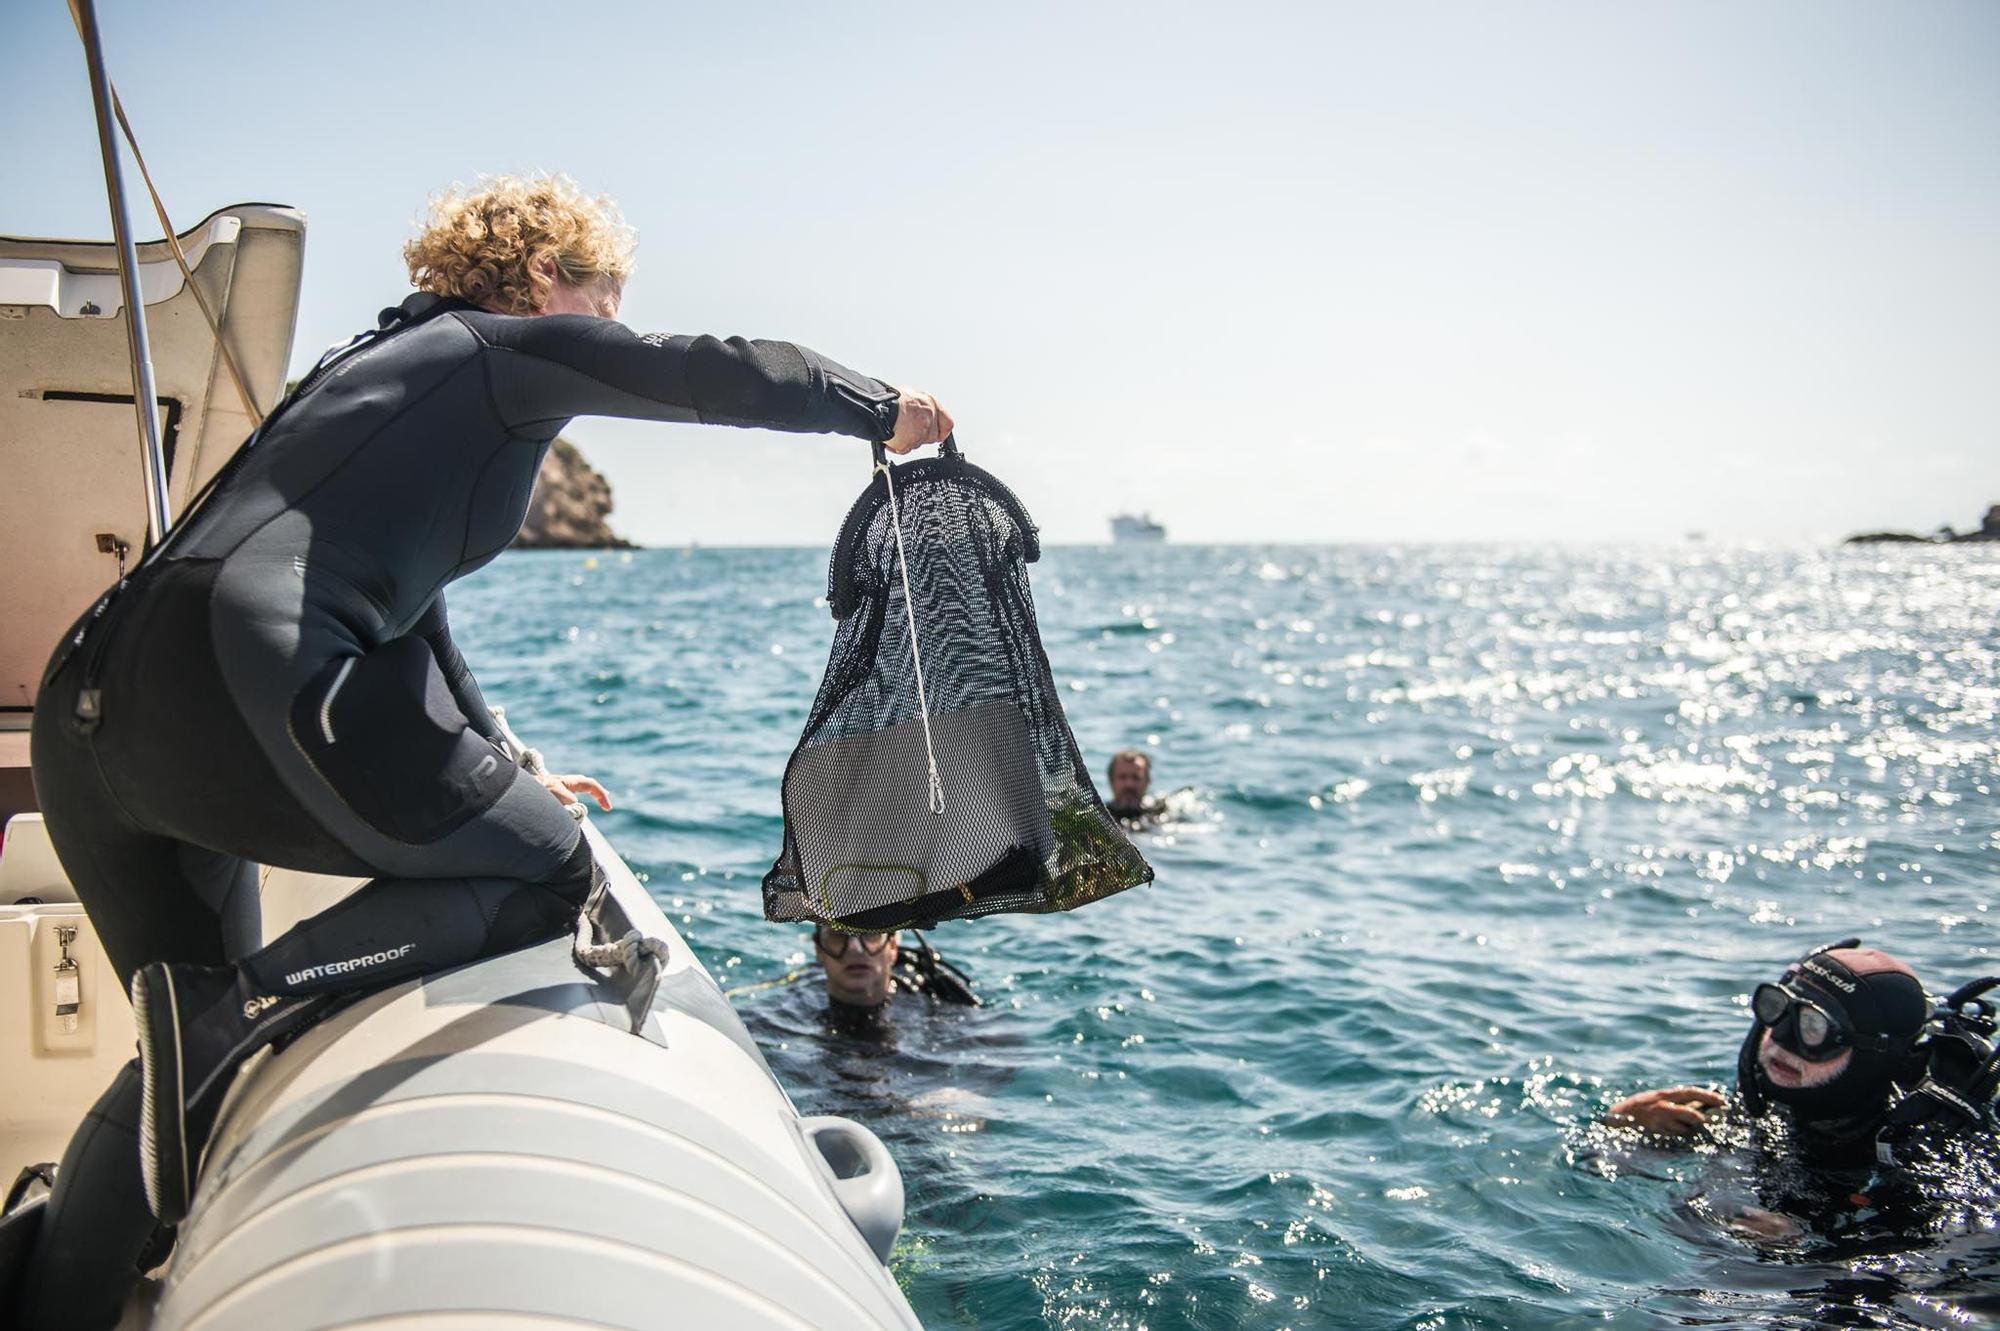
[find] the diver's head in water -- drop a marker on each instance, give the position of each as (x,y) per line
(1130,776)
(1833,1032)
(533,246)
(860,968)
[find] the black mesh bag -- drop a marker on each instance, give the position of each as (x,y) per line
(938,779)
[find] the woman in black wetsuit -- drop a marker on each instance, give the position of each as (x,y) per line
(278,684)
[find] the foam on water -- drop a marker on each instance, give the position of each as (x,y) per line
(1466,843)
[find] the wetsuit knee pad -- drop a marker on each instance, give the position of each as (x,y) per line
(576,875)
(528,912)
(386,734)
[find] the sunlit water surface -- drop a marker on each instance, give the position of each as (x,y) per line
(1467,842)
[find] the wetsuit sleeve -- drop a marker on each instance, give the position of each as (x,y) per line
(435,629)
(546,370)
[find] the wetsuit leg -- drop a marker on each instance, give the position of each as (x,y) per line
(389,738)
(134,882)
(149,898)
(228,886)
(472,858)
(393,929)
(97,1224)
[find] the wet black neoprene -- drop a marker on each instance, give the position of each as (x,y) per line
(1876,996)
(280,686)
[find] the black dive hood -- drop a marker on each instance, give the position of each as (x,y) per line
(1876,996)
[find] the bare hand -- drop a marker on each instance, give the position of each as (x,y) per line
(919,421)
(1758,1223)
(1673,1112)
(562,786)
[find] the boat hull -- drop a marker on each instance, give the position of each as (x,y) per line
(497,1141)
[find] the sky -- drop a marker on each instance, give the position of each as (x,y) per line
(1318,272)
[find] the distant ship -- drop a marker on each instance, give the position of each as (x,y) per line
(1141,530)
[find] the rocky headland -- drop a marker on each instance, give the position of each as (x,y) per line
(572,506)
(1988,530)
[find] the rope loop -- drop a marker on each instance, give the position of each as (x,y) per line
(936,793)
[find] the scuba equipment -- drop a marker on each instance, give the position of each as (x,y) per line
(1960,1073)
(1870,995)
(920,969)
(937,777)
(833,943)
(1799,1024)
(1915,1066)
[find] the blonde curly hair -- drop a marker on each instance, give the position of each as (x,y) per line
(481,244)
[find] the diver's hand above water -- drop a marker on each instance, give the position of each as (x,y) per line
(567,788)
(1757,1223)
(1674,1112)
(919,421)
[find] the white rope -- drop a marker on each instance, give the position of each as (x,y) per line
(530,760)
(622,954)
(916,656)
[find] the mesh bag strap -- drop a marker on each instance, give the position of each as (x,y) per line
(936,793)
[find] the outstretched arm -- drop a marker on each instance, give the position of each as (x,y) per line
(548,369)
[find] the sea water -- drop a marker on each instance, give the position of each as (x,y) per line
(1464,843)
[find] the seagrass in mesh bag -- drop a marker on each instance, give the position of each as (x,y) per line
(940,782)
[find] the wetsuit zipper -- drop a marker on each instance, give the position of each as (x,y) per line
(89,709)
(90,703)
(346,353)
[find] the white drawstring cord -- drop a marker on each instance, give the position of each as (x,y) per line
(916,656)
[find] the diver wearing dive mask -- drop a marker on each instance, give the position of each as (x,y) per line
(1802,1025)
(1798,1023)
(1847,1041)
(1872,1077)
(1831,1038)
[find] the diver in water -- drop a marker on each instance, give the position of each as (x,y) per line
(277,683)
(1129,777)
(1850,1069)
(871,1027)
(864,972)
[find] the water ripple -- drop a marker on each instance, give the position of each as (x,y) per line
(1466,842)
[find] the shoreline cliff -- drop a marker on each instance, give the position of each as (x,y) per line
(1988,530)
(571,508)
